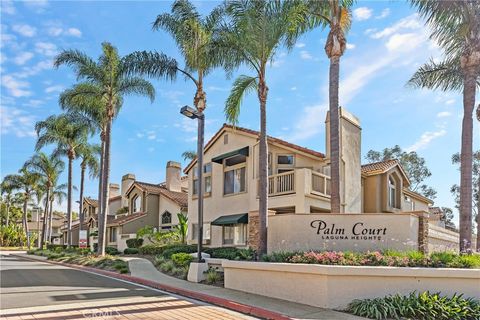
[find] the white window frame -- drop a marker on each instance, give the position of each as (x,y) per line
(235,241)
(134,205)
(207,176)
(281,168)
(234,168)
(206,231)
(112,235)
(392,189)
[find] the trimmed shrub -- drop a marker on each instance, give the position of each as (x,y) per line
(130,251)
(111,251)
(151,249)
(231,253)
(182,259)
(55,246)
(424,306)
(177,248)
(134,243)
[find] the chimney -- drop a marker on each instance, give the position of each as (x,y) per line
(127,181)
(350,159)
(173,181)
(114,190)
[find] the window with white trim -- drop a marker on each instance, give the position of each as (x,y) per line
(235,234)
(234,174)
(113,235)
(285,163)
(392,192)
(166,221)
(206,231)
(207,178)
(410,203)
(136,203)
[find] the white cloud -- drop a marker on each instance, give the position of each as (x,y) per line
(362,13)
(31,71)
(17,122)
(55,31)
(444,114)
(46,48)
(350,46)
(140,135)
(172,95)
(73,32)
(16,87)
(37,5)
(22,58)
(300,45)
(411,22)
(370,30)
(385,13)
(425,139)
(293,88)
(152,137)
(33,103)
(305,55)
(450,101)
(214,88)
(7,7)
(24,29)
(56,88)
(405,42)
(310,123)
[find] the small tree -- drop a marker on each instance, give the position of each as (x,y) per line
(182,226)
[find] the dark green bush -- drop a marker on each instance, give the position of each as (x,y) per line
(182,259)
(169,250)
(231,253)
(111,251)
(423,306)
(134,243)
(151,249)
(130,251)
(55,246)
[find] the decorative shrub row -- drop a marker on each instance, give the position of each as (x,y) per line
(166,250)
(134,243)
(387,258)
(424,306)
(130,251)
(231,253)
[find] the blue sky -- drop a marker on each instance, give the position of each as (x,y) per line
(387,42)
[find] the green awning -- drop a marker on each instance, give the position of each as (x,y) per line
(232,219)
(243,151)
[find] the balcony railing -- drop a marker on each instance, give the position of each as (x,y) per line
(309,182)
(282,183)
(320,184)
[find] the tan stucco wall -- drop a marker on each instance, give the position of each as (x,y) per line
(291,232)
(113,206)
(170,206)
(441,239)
(334,287)
(135,192)
(151,219)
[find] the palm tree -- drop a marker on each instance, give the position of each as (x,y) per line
(49,167)
(189,155)
(69,134)
(108,80)
(182,226)
(88,155)
(336,15)
(25,181)
(455,26)
(58,193)
(7,190)
(255,32)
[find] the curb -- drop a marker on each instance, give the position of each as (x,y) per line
(221,302)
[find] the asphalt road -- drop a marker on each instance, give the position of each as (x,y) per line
(42,289)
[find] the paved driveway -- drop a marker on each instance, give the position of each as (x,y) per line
(38,290)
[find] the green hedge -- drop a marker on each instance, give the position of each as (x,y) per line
(423,306)
(230,253)
(134,243)
(182,259)
(130,251)
(166,250)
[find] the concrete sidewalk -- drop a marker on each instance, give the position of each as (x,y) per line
(142,268)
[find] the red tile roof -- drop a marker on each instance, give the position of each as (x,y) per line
(379,167)
(125,219)
(181,198)
(256,133)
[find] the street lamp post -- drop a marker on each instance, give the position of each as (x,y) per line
(194,114)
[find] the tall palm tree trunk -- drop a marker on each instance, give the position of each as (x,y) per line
(263,169)
(24,221)
(45,219)
(100,179)
(102,226)
(80,206)
(69,202)
(334,134)
(50,217)
(466,163)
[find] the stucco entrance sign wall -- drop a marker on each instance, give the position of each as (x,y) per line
(353,232)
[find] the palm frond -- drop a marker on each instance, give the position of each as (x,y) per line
(138,86)
(445,75)
(241,86)
(152,64)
